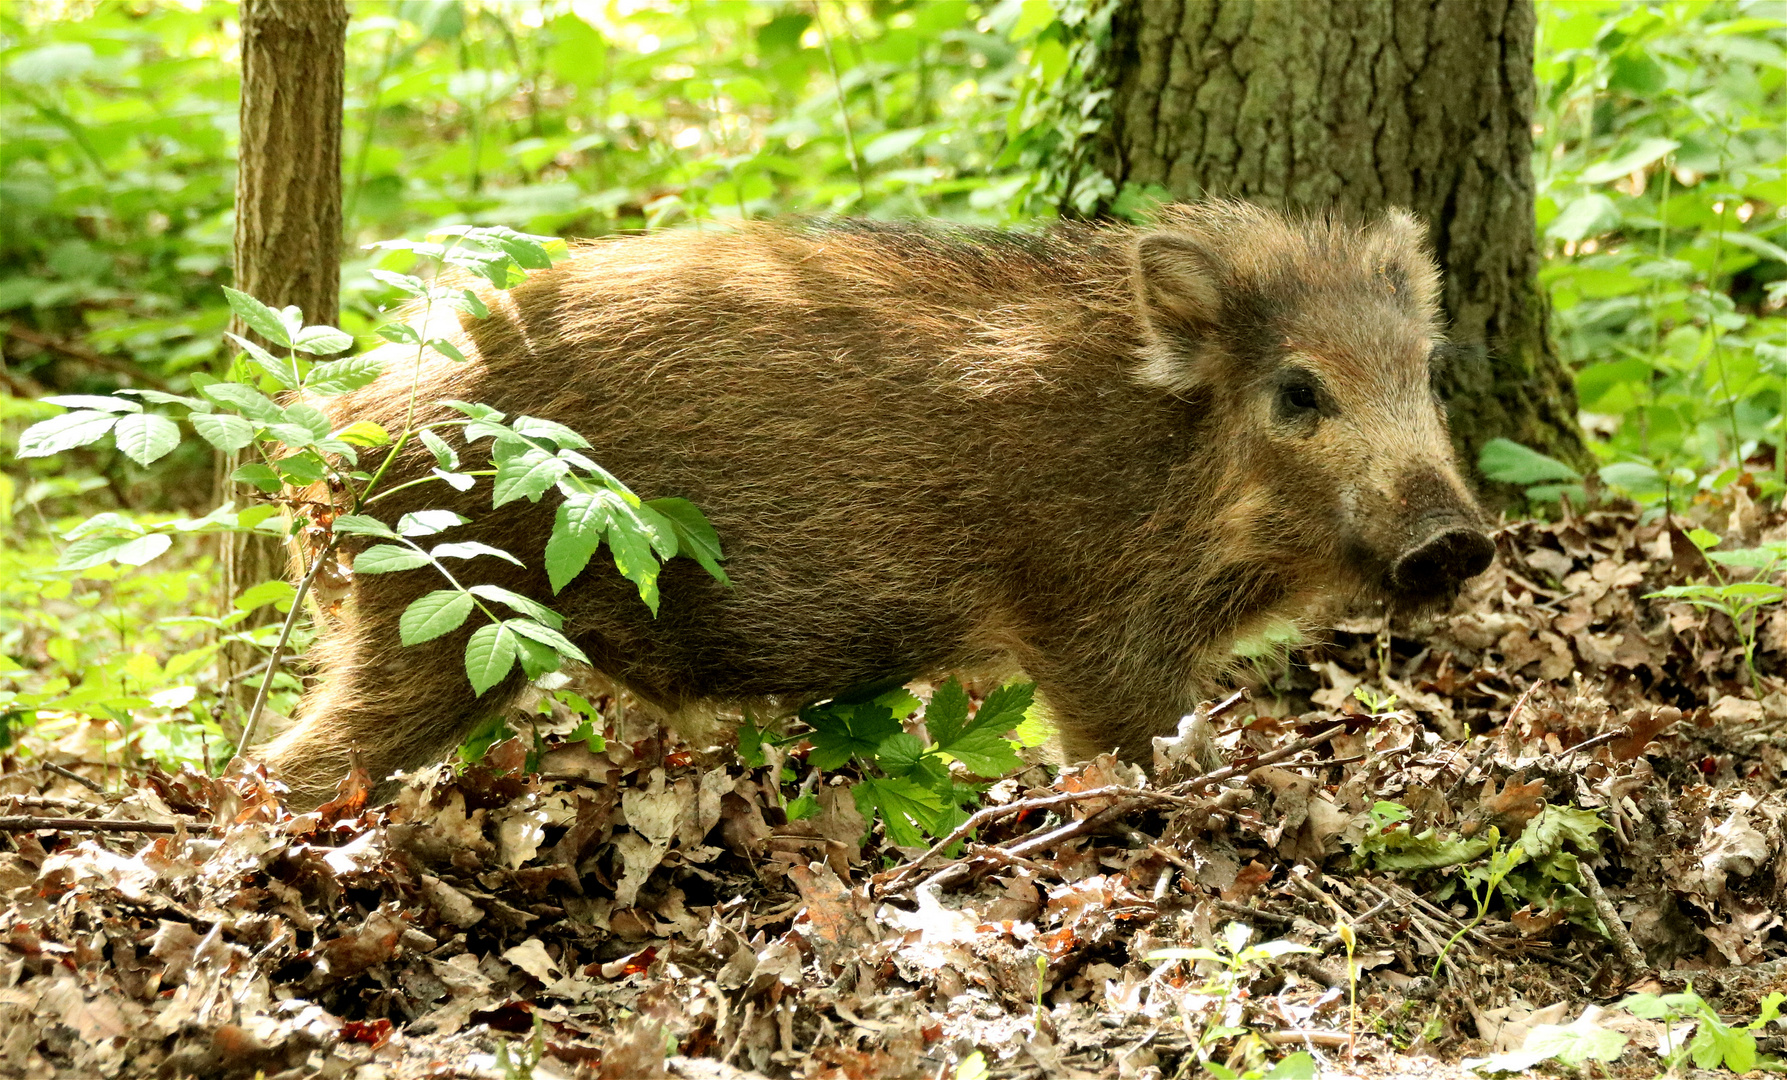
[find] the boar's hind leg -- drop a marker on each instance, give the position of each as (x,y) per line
(400,707)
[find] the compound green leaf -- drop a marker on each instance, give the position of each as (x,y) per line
(428,617)
(387,558)
(146,437)
(65,432)
(489,655)
(225,431)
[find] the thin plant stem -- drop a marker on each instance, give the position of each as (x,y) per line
(372,111)
(837,84)
(285,634)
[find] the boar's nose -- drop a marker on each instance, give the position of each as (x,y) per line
(1439,565)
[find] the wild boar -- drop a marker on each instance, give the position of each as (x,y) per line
(1099,454)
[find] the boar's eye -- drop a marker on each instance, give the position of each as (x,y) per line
(1299,399)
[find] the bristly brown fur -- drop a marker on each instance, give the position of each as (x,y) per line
(927,450)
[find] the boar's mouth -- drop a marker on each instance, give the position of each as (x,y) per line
(1432,572)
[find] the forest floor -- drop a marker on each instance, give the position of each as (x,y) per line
(1557,796)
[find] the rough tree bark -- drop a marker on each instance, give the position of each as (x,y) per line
(1358,105)
(288,212)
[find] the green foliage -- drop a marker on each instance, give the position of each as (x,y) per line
(1539,869)
(1740,601)
(117,173)
(1715,1042)
(1662,141)
(1233,962)
(297,447)
(908,783)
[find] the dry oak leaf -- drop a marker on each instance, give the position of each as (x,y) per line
(1514,805)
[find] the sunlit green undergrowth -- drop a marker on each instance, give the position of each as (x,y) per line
(1660,157)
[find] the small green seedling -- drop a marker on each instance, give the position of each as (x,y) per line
(1741,601)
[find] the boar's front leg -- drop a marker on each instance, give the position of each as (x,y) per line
(398,706)
(1097,706)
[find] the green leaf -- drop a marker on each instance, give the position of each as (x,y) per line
(90,551)
(246,400)
(93,401)
(310,418)
(984,752)
(361,525)
(1645,154)
(536,428)
(279,593)
(301,470)
(364,433)
(428,522)
(65,432)
(527,474)
(146,437)
(257,475)
(1005,707)
(630,543)
(400,333)
(322,340)
(537,659)
(1509,462)
(906,810)
(161,398)
(1297,1066)
(841,732)
(473,305)
(443,454)
(892,145)
(577,530)
(260,318)
(547,636)
(471,549)
(225,431)
(447,349)
(1750,558)
(899,754)
(489,655)
(531,608)
(1588,215)
(1703,539)
(340,376)
(695,537)
(946,714)
(283,370)
(428,617)
(404,283)
(386,558)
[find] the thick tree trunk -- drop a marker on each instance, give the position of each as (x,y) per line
(1358,105)
(288,211)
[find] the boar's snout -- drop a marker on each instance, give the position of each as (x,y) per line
(1437,567)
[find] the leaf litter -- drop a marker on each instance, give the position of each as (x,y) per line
(1418,848)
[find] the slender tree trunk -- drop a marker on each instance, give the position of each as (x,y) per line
(288,214)
(1355,106)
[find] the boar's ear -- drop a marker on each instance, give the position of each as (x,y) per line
(1398,245)
(1179,293)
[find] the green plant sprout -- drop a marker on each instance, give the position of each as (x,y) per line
(1715,1042)
(1740,601)
(1501,862)
(908,782)
(1234,958)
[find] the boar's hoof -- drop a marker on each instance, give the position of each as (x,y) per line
(1440,565)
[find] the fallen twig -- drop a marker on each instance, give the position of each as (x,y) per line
(1125,800)
(28,823)
(68,774)
(1630,954)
